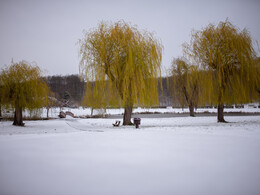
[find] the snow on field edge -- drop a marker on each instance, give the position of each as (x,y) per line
(54,112)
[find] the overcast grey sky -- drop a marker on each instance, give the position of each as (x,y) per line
(46,31)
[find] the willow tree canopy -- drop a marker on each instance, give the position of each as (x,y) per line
(22,87)
(227,55)
(124,63)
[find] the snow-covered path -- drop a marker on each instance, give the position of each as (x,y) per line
(165,156)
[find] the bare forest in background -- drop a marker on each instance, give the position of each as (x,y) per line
(67,88)
(71,87)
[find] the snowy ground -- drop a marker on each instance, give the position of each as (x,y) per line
(166,156)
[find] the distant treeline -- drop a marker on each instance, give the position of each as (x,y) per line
(72,87)
(67,87)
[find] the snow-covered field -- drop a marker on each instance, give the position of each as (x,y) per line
(166,156)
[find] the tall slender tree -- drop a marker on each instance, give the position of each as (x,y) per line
(126,58)
(186,82)
(22,87)
(227,55)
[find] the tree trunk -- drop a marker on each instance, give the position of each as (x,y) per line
(47,112)
(221,113)
(191,108)
(18,117)
(0,110)
(127,115)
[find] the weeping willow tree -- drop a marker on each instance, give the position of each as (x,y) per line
(49,102)
(92,99)
(186,82)
(22,87)
(125,59)
(98,99)
(228,56)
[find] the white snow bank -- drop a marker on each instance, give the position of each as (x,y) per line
(166,156)
(54,112)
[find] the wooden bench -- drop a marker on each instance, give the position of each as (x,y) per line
(116,124)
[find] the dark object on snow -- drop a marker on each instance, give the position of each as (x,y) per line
(137,122)
(116,124)
(70,113)
(62,114)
